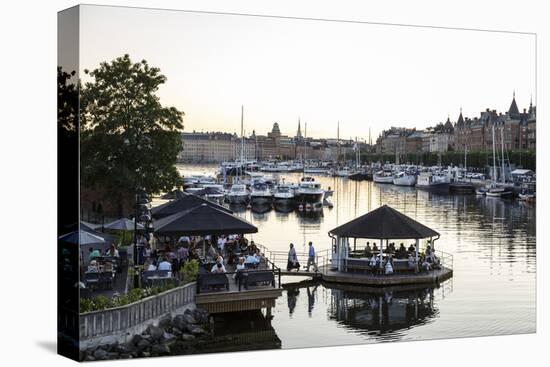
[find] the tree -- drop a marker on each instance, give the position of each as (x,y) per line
(128,139)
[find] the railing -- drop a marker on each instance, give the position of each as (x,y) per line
(445,259)
(279,259)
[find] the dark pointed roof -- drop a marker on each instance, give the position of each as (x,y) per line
(460,121)
(513,111)
(185,202)
(384,223)
(202,220)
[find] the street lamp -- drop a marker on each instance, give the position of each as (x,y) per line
(143,214)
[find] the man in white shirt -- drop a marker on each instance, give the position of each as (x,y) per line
(221,244)
(165,265)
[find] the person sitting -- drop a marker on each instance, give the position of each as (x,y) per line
(240,268)
(401,252)
(93,254)
(388,268)
(218,268)
(219,261)
(368,250)
(391,248)
(375,249)
(221,244)
(93,267)
(251,260)
(165,264)
(152,266)
(412,249)
(147,251)
(426,265)
(112,251)
(411,262)
(211,253)
(373,261)
(429,252)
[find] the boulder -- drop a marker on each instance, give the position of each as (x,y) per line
(100,354)
(136,339)
(187,337)
(168,337)
(197,330)
(165,321)
(160,349)
(179,323)
(156,332)
(143,344)
(189,319)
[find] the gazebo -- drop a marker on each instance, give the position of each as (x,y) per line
(184,203)
(384,223)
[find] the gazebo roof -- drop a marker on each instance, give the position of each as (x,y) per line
(185,202)
(384,223)
(202,220)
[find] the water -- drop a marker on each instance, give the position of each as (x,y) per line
(493,291)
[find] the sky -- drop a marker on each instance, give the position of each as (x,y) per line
(366,76)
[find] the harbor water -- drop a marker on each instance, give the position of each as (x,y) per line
(492,292)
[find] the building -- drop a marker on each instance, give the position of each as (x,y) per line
(209,147)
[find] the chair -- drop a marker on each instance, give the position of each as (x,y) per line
(106,279)
(91,280)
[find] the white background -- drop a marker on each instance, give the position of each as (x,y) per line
(28,181)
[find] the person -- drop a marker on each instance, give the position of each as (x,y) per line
(182,253)
(152,266)
(112,251)
(184,239)
(212,253)
(221,244)
(251,260)
(375,248)
(292,259)
(368,250)
(147,251)
(429,253)
(93,254)
(412,249)
(218,268)
(372,262)
(311,257)
(426,265)
(239,269)
(219,261)
(411,261)
(165,264)
(388,269)
(93,267)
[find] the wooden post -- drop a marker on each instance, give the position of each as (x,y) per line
(354,244)
(416,249)
(381,253)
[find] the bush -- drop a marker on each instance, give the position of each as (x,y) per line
(190,270)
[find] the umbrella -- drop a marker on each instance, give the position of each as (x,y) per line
(81,237)
(90,227)
(186,202)
(202,220)
(122,224)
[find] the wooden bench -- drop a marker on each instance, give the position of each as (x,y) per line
(213,281)
(360,265)
(258,277)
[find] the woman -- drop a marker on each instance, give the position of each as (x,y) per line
(372,262)
(388,269)
(112,251)
(93,267)
(292,259)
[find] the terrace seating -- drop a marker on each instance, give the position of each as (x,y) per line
(259,277)
(213,281)
(148,276)
(91,280)
(359,265)
(106,279)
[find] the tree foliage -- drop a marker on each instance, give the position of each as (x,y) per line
(128,139)
(67,101)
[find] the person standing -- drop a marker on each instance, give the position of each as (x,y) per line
(311,257)
(292,259)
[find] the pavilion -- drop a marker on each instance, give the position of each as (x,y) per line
(382,224)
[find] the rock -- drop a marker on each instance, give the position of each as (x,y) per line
(165,321)
(197,330)
(136,339)
(168,337)
(179,323)
(143,344)
(89,358)
(177,332)
(189,319)
(160,349)
(113,355)
(145,354)
(187,337)
(100,354)
(156,332)
(121,348)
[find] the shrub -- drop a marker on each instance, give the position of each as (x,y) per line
(190,271)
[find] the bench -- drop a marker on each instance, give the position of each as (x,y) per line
(91,280)
(258,277)
(360,264)
(213,281)
(148,274)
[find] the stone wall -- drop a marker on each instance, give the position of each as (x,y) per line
(118,324)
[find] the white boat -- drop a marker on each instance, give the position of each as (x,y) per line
(238,194)
(384,176)
(404,179)
(283,192)
(498,191)
(433,182)
(315,170)
(260,194)
(344,172)
(310,194)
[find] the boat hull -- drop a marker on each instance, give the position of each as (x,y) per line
(404,181)
(237,199)
(434,187)
(383,179)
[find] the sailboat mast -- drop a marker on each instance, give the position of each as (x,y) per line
(242,132)
(502,156)
(305,151)
(494,158)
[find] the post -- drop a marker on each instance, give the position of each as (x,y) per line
(136,267)
(416,250)
(381,253)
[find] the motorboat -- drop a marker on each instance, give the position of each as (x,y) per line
(498,191)
(283,193)
(310,195)
(238,194)
(383,176)
(404,179)
(433,182)
(260,194)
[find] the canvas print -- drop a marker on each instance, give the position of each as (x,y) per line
(240,182)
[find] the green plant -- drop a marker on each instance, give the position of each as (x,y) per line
(86,305)
(101,302)
(190,270)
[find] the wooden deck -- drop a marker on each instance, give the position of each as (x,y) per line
(434,276)
(235,300)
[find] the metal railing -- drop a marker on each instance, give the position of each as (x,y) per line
(279,259)
(445,259)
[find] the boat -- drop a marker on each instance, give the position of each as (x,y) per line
(315,170)
(498,191)
(481,191)
(404,179)
(283,193)
(462,187)
(384,176)
(260,194)
(238,194)
(529,197)
(310,195)
(432,182)
(495,189)
(343,172)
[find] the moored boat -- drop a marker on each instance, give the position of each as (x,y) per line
(404,179)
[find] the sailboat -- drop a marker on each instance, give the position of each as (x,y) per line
(494,189)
